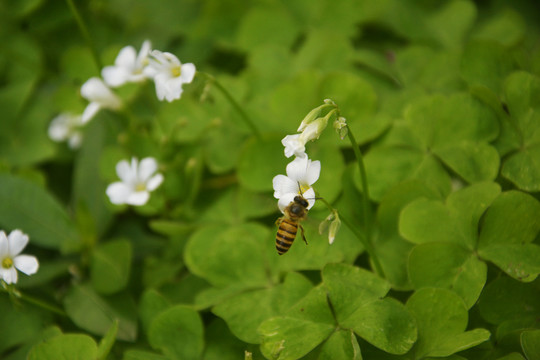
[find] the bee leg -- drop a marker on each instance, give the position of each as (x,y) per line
(278,221)
(303,236)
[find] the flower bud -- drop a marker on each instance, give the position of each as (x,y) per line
(340,125)
(334,228)
(332,223)
(314,115)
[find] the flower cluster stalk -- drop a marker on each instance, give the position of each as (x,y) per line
(85,33)
(32,300)
(247,120)
(368,239)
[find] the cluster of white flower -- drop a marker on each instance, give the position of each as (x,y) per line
(10,258)
(164,68)
(302,172)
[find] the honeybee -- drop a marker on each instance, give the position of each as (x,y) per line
(288,224)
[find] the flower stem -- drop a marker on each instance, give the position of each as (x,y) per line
(367,216)
(85,33)
(32,300)
(363,239)
(367,245)
(363,179)
(247,120)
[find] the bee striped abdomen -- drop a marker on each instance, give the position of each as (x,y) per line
(285,235)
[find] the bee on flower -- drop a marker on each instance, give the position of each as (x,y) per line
(295,197)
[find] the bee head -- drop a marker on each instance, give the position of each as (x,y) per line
(301,201)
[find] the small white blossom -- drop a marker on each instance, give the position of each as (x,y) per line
(296,144)
(100,97)
(128,66)
(169,74)
(67,127)
(301,174)
(138,180)
(10,258)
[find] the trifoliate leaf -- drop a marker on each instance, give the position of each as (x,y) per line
(448,266)
(442,318)
(178,332)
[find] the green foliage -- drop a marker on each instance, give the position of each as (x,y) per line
(438,257)
(64,347)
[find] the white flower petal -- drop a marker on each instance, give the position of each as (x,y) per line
(142,58)
(126,57)
(59,128)
(26,263)
(126,173)
(311,132)
(90,111)
(294,145)
(285,201)
(296,169)
(17,241)
(309,195)
(147,167)
(169,59)
(138,198)
(313,171)
(4,245)
(284,185)
(150,71)
(95,90)
(187,73)
(162,92)
(118,192)
(153,183)
(115,76)
(173,89)
(8,275)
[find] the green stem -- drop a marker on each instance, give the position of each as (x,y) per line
(32,300)
(247,120)
(363,179)
(85,33)
(365,203)
(367,245)
(363,239)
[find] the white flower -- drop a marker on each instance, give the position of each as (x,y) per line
(301,174)
(10,260)
(100,97)
(67,127)
(138,180)
(128,66)
(296,144)
(169,74)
